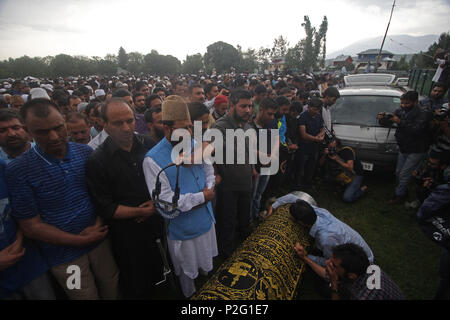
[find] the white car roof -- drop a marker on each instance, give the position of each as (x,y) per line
(369,79)
(371,91)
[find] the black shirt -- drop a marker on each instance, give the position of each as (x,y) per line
(313,125)
(115,177)
(346,154)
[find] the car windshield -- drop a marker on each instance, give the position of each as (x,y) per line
(362,110)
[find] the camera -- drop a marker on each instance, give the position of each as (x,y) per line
(329,137)
(386,120)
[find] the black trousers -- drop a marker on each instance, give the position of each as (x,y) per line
(233,218)
(306,163)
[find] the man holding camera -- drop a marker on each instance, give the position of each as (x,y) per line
(344,167)
(412,139)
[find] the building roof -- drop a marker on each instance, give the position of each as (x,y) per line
(342,58)
(375,51)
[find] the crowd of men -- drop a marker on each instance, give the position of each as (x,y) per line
(88,179)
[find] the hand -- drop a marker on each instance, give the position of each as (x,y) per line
(326,151)
(395,119)
(218,179)
(93,234)
(8,258)
(269,212)
(334,278)
(300,250)
(16,246)
(292,147)
(148,209)
(208,194)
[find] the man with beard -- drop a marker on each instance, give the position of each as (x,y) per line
(78,128)
(14,140)
(119,193)
(436,98)
(329,98)
(235,192)
(191,233)
(153,118)
(412,139)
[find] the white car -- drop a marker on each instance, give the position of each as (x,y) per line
(355,123)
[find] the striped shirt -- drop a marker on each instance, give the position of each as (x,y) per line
(56,190)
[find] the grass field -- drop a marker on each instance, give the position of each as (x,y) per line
(399,246)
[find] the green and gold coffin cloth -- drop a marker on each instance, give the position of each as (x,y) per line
(264,267)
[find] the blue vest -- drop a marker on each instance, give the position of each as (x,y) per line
(193,223)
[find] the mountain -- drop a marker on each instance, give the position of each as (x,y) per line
(399,45)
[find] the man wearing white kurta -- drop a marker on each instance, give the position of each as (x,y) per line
(191,233)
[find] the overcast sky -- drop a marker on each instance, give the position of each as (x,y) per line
(96,28)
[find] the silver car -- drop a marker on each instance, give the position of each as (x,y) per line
(354,118)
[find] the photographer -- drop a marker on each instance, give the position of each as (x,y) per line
(433,219)
(412,137)
(343,166)
(429,176)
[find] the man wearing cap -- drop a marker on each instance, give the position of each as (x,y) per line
(119,193)
(100,95)
(190,219)
(220,107)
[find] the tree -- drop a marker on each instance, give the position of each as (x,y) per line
(401,64)
(248,60)
(193,64)
(154,63)
(280,47)
(221,56)
(135,62)
(314,43)
(263,57)
(63,65)
(123,58)
(425,59)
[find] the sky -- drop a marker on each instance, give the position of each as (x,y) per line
(180,28)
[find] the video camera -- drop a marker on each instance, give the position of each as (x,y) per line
(386,120)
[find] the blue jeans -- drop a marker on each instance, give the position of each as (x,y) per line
(406,164)
(258,190)
(353,191)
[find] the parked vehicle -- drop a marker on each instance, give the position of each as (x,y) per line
(354,119)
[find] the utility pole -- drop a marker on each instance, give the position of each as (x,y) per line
(382,44)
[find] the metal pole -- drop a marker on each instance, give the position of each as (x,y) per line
(384,38)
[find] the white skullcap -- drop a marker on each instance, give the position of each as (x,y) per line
(100,92)
(39,93)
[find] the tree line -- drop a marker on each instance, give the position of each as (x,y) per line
(308,53)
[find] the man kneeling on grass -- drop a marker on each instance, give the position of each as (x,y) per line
(350,277)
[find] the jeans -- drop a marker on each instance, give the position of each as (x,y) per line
(260,187)
(353,191)
(406,164)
